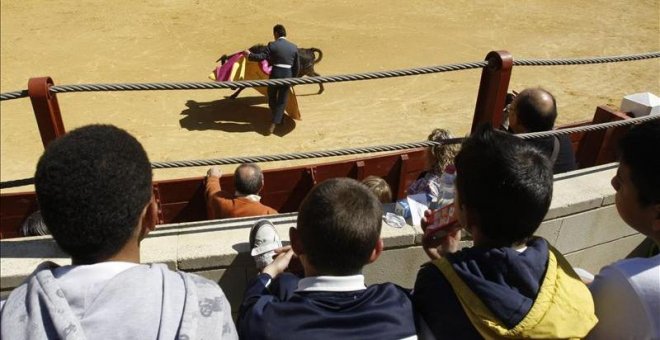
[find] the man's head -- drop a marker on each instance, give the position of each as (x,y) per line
(533,110)
(338,229)
(504,186)
(93,186)
(637,182)
(248,179)
(279,31)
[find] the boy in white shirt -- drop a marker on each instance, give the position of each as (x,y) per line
(627,293)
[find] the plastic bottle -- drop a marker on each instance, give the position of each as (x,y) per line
(447,186)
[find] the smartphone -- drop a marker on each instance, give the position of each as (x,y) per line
(443,221)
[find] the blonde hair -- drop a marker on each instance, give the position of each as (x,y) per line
(443,154)
(379,187)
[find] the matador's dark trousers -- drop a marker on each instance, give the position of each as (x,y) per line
(278,95)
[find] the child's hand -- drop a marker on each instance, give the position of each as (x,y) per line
(450,243)
(426,219)
(281,262)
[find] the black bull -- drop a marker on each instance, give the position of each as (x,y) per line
(308,57)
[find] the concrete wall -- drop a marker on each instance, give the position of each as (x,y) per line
(582,223)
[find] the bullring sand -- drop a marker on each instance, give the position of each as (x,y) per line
(173,41)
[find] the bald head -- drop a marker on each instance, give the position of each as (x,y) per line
(248,179)
(535,110)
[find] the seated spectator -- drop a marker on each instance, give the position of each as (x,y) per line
(379,187)
(337,233)
(95,193)
(248,182)
(34,225)
(627,293)
(437,157)
(535,110)
(509,284)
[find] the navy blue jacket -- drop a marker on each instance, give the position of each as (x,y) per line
(506,281)
(381,311)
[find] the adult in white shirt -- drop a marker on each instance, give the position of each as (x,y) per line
(627,293)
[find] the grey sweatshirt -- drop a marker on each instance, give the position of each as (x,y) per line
(143,302)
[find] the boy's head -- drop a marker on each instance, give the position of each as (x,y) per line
(93,185)
(637,182)
(379,187)
(504,186)
(338,230)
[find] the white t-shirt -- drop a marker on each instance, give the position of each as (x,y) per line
(627,299)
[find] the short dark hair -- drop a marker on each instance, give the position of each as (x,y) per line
(640,150)
(248,179)
(534,111)
(92,185)
(279,30)
(339,225)
(506,181)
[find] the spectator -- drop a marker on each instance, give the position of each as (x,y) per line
(248,182)
(438,157)
(510,284)
(627,293)
(535,110)
(379,187)
(34,225)
(337,233)
(95,193)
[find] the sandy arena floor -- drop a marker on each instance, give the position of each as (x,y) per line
(176,40)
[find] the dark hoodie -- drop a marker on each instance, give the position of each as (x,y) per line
(486,292)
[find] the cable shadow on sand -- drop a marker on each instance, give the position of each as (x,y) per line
(232,115)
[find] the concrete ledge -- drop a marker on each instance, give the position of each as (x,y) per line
(595,257)
(587,229)
(20,256)
(582,190)
(582,223)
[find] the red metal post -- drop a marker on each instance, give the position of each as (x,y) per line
(492,89)
(598,147)
(46,109)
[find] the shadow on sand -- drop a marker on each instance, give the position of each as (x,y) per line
(232,115)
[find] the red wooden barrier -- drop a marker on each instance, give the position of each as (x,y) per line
(46,109)
(599,147)
(492,89)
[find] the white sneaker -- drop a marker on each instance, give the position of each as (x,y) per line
(264,239)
